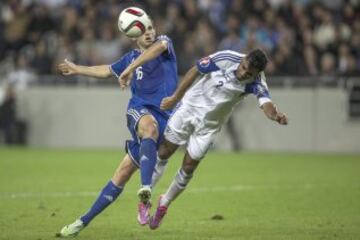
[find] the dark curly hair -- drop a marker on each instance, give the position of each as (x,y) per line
(257,59)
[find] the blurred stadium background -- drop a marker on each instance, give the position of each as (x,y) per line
(313,75)
(314,47)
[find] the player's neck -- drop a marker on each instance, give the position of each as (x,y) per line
(243,80)
(238,77)
(142,48)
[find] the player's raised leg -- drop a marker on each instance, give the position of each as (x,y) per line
(106,197)
(177,186)
(149,133)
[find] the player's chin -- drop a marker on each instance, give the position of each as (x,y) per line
(148,44)
(149,41)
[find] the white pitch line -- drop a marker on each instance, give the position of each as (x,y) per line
(237,188)
(48,195)
(221,189)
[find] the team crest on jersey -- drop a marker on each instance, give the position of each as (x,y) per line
(204,62)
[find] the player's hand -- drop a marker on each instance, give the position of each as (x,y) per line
(168,103)
(125,78)
(67,68)
(282,119)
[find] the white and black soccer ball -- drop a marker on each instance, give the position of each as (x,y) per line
(133,22)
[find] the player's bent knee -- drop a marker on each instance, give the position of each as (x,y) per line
(148,129)
(153,130)
(196,156)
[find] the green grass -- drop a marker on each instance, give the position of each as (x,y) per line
(260,196)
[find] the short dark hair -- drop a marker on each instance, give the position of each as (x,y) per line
(257,59)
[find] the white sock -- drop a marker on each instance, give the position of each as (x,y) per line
(177,186)
(158,170)
(146,186)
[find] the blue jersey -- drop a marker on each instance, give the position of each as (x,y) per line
(153,80)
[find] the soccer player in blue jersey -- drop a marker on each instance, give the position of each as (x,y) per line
(153,71)
(223,79)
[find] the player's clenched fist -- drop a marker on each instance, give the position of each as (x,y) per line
(67,68)
(282,118)
(125,78)
(168,103)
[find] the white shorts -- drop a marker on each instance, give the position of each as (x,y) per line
(186,127)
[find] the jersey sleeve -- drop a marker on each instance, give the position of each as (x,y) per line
(225,59)
(206,65)
(221,60)
(170,53)
(260,89)
(119,66)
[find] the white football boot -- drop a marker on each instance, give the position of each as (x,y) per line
(72,229)
(144,194)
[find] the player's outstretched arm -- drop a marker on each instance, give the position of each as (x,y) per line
(274,114)
(70,68)
(152,52)
(185,84)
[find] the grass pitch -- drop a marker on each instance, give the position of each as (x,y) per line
(232,196)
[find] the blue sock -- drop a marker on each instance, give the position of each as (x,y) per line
(147,160)
(107,196)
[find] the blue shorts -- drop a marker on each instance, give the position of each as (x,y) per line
(133,115)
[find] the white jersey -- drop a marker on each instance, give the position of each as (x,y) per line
(217,91)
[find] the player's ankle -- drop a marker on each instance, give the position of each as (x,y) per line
(146,187)
(144,194)
(164,201)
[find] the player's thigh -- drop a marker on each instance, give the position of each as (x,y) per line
(179,127)
(148,127)
(167,149)
(199,144)
(124,171)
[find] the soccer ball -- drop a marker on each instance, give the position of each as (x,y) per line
(133,22)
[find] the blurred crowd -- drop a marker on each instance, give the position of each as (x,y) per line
(301,37)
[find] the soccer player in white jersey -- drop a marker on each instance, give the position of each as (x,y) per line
(223,79)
